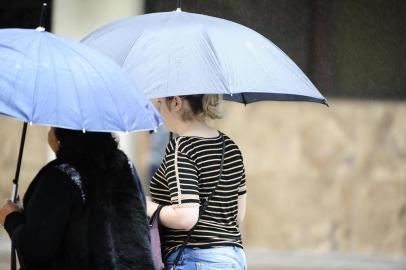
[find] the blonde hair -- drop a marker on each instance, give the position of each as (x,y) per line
(211,105)
(202,106)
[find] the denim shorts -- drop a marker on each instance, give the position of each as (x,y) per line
(214,258)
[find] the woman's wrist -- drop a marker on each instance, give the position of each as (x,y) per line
(12,221)
(7,208)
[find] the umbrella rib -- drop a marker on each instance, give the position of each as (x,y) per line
(130,49)
(111,96)
(18,73)
(214,51)
(36,76)
(264,69)
(73,81)
(55,81)
(290,65)
(91,92)
(104,84)
(150,115)
(94,98)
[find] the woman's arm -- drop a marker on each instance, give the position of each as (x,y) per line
(40,237)
(180,218)
(242,204)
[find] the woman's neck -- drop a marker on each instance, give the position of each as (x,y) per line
(197,128)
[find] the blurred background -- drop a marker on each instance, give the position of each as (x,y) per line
(326,186)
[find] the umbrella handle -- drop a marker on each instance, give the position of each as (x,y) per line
(14,192)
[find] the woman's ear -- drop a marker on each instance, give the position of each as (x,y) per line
(177,103)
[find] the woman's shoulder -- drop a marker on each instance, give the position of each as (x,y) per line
(52,168)
(61,173)
(180,145)
(229,141)
(190,144)
(231,147)
(45,173)
(50,177)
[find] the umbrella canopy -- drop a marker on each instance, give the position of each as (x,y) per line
(181,53)
(46,79)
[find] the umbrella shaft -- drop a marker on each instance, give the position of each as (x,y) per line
(20,157)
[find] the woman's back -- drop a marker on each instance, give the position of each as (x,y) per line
(188,175)
(114,215)
(118,230)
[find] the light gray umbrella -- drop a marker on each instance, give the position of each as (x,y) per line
(181,53)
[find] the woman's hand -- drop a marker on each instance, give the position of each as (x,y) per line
(7,208)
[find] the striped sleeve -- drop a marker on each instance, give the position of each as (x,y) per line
(242,188)
(183,182)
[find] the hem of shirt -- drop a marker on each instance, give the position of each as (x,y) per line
(203,246)
(185,205)
(183,197)
(242,192)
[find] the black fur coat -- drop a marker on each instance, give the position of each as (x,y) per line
(71,224)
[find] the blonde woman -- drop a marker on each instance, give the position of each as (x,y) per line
(199,188)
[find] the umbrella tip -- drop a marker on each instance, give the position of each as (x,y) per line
(40,29)
(178,10)
(179,5)
(43,16)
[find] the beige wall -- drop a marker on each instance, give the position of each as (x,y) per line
(324,179)
(34,154)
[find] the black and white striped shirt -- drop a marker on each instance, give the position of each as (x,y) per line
(187,176)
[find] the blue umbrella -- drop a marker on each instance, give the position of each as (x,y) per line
(46,79)
(49,80)
(181,53)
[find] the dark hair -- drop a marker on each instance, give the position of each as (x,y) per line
(91,153)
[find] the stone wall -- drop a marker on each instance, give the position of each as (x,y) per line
(324,179)
(320,179)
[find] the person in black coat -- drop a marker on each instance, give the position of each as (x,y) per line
(83,210)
